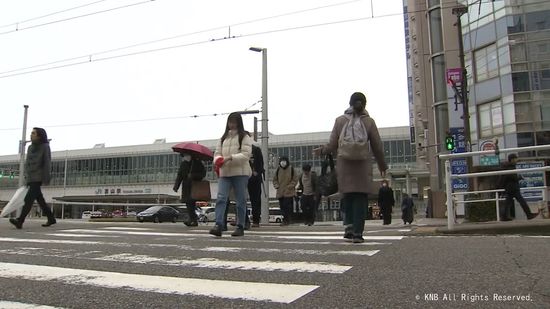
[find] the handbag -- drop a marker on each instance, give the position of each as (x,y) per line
(16,202)
(200,190)
(328,184)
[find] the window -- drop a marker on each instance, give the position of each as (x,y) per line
(485,62)
(490,119)
(520,81)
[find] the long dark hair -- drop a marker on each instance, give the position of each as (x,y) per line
(240,127)
(42,134)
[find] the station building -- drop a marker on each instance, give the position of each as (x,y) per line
(137,176)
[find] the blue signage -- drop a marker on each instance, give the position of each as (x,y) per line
(459,166)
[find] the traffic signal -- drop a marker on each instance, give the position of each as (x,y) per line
(450,142)
(12,174)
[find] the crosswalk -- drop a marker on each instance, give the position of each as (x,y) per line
(290,253)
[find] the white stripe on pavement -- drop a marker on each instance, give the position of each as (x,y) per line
(80,235)
(255,291)
(332,237)
(51,241)
(16,305)
(291,251)
(266,265)
(126,228)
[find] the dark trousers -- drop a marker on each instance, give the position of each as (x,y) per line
(35,194)
(355,205)
(308,207)
(285,203)
(509,204)
(386,214)
(255,192)
(191,210)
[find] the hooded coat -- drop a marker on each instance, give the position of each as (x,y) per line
(356,175)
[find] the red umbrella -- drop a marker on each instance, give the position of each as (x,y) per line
(195,149)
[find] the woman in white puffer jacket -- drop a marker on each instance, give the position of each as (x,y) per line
(231,158)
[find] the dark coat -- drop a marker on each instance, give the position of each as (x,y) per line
(257,165)
(510,182)
(314,184)
(407,209)
(385,198)
(189,171)
(38,163)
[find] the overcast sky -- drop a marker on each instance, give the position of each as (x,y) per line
(94,89)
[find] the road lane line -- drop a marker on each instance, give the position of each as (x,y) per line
(254,291)
(332,237)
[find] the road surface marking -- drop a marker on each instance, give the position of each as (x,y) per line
(50,241)
(81,235)
(15,305)
(333,238)
(254,291)
(210,263)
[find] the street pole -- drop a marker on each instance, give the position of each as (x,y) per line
(22,148)
(265,135)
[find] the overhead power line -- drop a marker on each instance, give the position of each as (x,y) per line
(70,18)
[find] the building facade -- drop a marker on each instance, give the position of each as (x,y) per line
(146,173)
(504,47)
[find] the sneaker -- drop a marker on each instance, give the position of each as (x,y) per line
(239,231)
(16,222)
(216,231)
(532,215)
(191,223)
(50,222)
(357,239)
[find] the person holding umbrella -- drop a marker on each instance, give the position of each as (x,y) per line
(37,173)
(231,163)
(191,168)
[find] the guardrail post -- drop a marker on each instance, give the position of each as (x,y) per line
(449,191)
(497,200)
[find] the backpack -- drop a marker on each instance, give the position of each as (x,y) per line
(353,143)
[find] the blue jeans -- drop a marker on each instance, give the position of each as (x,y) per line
(239,184)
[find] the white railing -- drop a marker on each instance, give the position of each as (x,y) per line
(496,199)
(451,219)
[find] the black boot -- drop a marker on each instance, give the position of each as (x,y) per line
(239,231)
(18,224)
(50,222)
(216,230)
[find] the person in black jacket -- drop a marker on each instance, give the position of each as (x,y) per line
(191,168)
(510,182)
(386,201)
(37,173)
(255,184)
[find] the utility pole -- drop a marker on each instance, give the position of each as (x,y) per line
(462,91)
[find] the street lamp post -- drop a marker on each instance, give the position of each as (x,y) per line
(265,134)
(22,148)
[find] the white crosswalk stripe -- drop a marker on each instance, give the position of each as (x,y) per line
(198,255)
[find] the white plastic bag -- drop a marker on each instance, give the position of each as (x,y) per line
(16,202)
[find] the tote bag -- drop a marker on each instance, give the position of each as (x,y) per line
(200,190)
(328,183)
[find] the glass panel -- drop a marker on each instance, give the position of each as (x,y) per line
(515,23)
(538,20)
(520,81)
(439,82)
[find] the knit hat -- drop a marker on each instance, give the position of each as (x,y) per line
(358,96)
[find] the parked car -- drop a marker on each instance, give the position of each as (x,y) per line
(275,215)
(96,214)
(158,214)
(86,214)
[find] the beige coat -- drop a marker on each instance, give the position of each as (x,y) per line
(285,183)
(239,165)
(356,175)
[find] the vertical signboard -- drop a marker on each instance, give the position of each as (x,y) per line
(459,166)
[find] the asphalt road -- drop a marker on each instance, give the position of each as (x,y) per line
(145,265)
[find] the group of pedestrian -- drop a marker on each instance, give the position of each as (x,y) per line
(354,140)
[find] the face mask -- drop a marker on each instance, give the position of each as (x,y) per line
(283,164)
(187,157)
